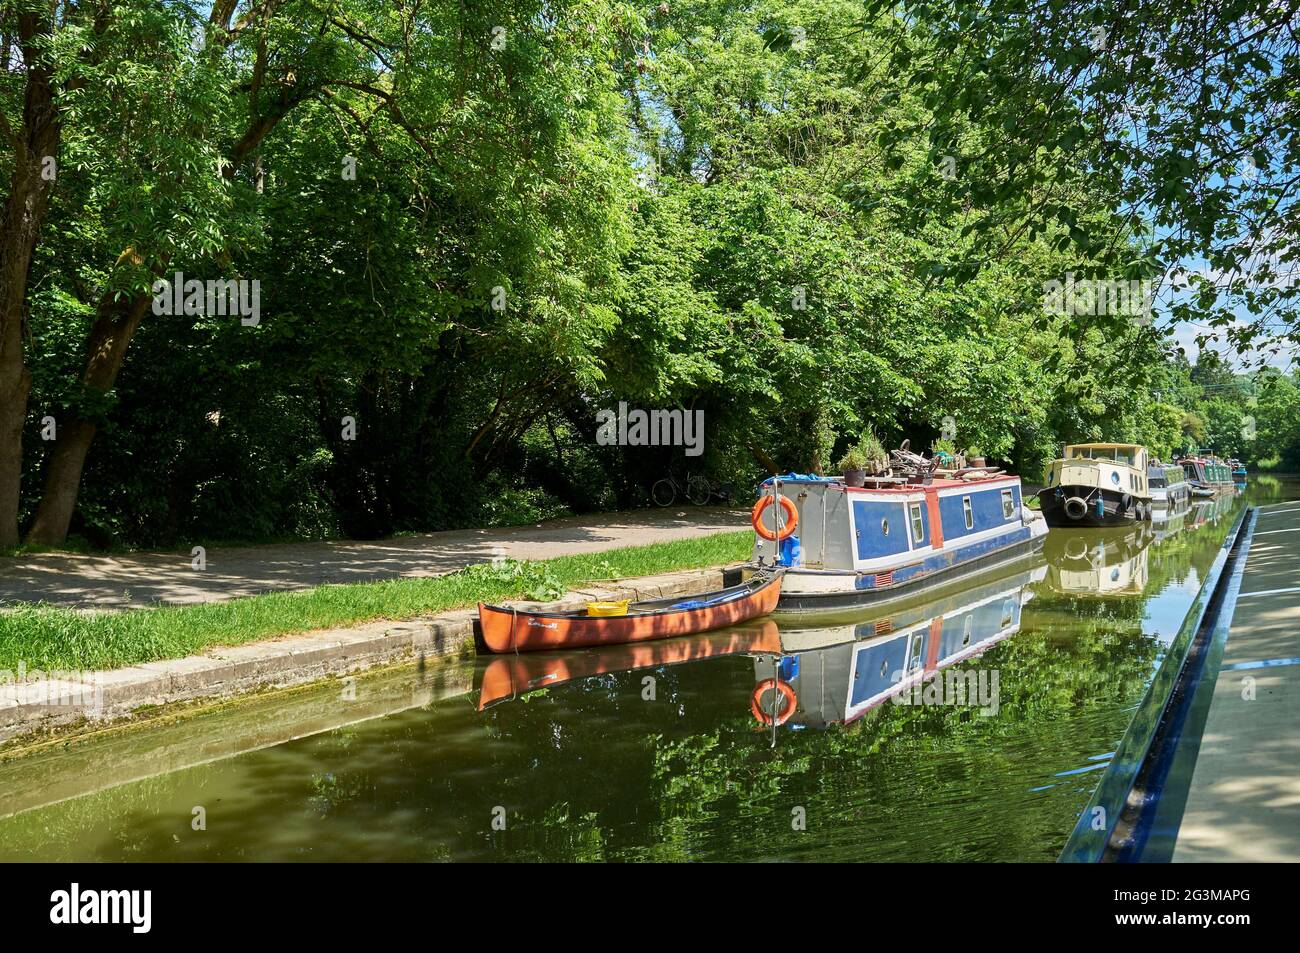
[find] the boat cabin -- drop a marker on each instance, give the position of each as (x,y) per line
(874,529)
(1118,467)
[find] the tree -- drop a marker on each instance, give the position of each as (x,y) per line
(1183,115)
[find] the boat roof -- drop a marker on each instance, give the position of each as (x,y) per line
(938,483)
(1105,446)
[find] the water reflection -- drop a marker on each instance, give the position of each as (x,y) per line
(1103,562)
(835,674)
(506,677)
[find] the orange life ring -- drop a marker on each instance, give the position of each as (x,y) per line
(786,692)
(791,518)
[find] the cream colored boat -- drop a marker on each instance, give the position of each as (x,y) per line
(1097,484)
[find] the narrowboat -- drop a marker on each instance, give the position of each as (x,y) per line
(845,546)
(1170,491)
(1208,475)
(1097,484)
(837,674)
(1239,473)
(531,629)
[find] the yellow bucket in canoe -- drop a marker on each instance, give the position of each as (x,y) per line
(607,608)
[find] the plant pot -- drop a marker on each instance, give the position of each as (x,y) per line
(975,462)
(855,477)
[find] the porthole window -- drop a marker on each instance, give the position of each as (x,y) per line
(968,511)
(884,527)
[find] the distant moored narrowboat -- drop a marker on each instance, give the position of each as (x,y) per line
(1170,491)
(1208,475)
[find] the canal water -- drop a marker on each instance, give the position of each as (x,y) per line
(969,726)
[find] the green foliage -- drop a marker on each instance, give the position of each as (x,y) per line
(533,579)
(737,209)
(1182,115)
(853,459)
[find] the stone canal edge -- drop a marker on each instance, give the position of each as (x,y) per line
(48,705)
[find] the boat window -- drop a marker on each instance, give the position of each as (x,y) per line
(884,527)
(967,627)
(968,511)
(1104,454)
(918,529)
(1008,505)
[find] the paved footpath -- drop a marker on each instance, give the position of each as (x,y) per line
(1244,799)
(139,579)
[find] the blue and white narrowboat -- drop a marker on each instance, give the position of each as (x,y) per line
(845,546)
(1170,491)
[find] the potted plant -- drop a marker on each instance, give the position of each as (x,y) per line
(854,467)
(975,456)
(874,455)
(946,451)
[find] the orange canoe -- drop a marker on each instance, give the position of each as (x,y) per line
(526,630)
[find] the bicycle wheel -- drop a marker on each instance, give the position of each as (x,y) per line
(698,491)
(663,492)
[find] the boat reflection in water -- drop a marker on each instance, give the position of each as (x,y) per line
(835,674)
(1211,511)
(509,676)
(830,672)
(1172,520)
(1106,562)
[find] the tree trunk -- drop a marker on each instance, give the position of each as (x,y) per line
(114,326)
(763,457)
(25,207)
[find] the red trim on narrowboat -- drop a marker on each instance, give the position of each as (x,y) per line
(936,524)
(932,650)
(938,484)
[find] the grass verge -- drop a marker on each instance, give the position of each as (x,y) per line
(51,637)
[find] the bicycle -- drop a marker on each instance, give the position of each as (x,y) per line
(695,488)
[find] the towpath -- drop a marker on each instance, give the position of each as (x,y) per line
(1243,803)
(139,579)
